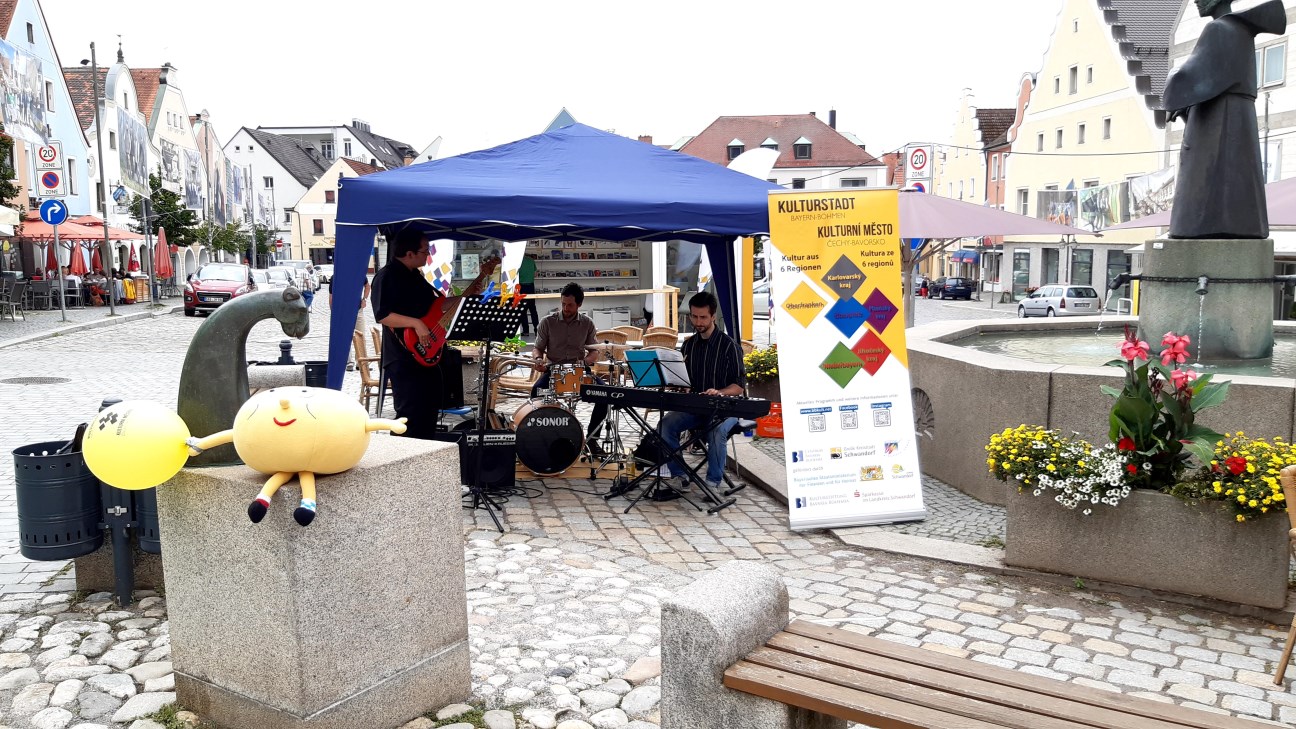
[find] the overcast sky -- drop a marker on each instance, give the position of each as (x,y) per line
(484,73)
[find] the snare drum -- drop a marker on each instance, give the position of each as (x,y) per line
(549,437)
(566,379)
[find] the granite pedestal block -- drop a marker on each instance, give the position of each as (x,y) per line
(264,377)
(1236,319)
(357,620)
(707,627)
(94,572)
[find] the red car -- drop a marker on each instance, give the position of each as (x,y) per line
(214,284)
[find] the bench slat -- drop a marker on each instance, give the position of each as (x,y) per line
(879,712)
(1178,715)
(980,709)
(939,689)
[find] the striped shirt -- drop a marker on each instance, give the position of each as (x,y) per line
(713,363)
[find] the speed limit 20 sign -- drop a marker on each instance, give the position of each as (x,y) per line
(50,156)
(918,159)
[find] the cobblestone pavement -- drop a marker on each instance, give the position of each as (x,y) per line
(1159,650)
(41,322)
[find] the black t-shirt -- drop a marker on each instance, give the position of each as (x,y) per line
(399,290)
(713,363)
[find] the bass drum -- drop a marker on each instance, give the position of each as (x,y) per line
(549,437)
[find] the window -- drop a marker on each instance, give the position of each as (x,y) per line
(346,147)
(287,215)
(267,183)
(1051,265)
(1118,263)
(1023,201)
(1058,143)
(126,101)
(1073,80)
(735,150)
(770,144)
(798,183)
(326,149)
(855,182)
(99,196)
(1039,142)
(1271,65)
(49,96)
(317,226)
(1004,172)
(1089,74)
(1080,133)
(31,33)
(994,167)
(237,148)
(1021,271)
(801,151)
(1075,25)
(112,139)
(1057,84)
(773,181)
(1106,127)
(1082,266)
(972,187)
(71,176)
(330,196)
(960,189)
(1090,183)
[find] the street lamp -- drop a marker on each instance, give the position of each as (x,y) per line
(106,251)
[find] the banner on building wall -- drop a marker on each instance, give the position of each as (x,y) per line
(132,151)
(851,454)
(1104,206)
(172,166)
(231,210)
(1151,193)
(1058,206)
(193,179)
(23,86)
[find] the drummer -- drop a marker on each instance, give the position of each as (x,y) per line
(562,338)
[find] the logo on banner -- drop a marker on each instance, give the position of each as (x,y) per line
(806,456)
(890,447)
(881,414)
(871,473)
(835,453)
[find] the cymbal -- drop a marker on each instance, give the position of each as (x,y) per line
(605,345)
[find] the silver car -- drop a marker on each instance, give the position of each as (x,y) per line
(1060,300)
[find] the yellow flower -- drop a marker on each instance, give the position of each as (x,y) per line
(1217,487)
(1241,518)
(1051,467)
(1253,503)
(1279,496)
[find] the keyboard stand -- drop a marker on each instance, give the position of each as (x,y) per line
(650,481)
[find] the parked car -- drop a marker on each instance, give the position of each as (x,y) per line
(760,300)
(951,287)
(274,278)
(214,284)
(1060,300)
(324,273)
(297,276)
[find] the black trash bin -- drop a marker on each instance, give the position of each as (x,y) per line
(316,373)
(146,516)
(59,508)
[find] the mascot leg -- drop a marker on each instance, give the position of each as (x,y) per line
(305,513)
(257,509)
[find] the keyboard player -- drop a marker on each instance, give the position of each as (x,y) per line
(714,363)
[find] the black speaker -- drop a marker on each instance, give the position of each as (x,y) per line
(452,377)
(497,461)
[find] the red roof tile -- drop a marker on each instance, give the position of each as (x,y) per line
(361,168)
(828,148)
(146,90)
(80,86)
(7,8)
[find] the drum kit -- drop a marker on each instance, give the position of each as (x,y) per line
(550,439)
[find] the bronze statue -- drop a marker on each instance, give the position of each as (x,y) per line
(1219,189)
(214,378)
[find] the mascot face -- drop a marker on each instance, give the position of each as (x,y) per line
(298,429)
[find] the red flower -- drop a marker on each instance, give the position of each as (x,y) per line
(1235,464)
(1125,444)
(1176,349)
(1131,468)
(1132,350)
(1182,378)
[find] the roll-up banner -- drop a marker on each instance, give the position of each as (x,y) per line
(848,430)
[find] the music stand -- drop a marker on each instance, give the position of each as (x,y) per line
(485,320)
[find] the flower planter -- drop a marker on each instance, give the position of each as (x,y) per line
(1156,541)
(768,390)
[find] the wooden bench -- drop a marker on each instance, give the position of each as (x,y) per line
(886,685)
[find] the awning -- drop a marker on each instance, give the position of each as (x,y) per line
(965,256)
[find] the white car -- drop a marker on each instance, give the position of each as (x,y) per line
(760,300)
(1060,300)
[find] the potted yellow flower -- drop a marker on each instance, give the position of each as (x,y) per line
(762,373)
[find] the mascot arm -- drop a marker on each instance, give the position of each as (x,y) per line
(198,445)
(376,424)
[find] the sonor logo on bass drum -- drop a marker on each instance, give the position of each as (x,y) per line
(549,422)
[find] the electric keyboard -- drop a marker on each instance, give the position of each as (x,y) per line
(687,402)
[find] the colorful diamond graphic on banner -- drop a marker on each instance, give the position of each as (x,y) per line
(880,310)
(844,278)
(804,304)
(848,315)
(841,365)
(871,351)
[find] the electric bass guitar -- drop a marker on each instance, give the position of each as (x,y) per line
(437,318)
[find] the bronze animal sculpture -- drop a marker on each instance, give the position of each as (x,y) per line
(214,379)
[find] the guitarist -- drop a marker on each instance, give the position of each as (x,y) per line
(401,296)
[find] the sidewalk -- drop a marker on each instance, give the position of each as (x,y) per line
(36,325)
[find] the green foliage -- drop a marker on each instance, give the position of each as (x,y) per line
(229,238)
(167,210)
(8,190)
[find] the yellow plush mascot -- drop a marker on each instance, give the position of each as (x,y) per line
(297,431)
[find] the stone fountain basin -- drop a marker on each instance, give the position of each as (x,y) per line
(974,394)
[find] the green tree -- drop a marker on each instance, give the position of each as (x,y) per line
(167,211)
(8,190)
(229,238)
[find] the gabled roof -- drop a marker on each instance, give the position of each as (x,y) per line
(301,161)
(80,85)
(994,124)
(389,152)
(562,119)
(829,148)
(360,168)
(7,9)
(1143,31)
(146,90)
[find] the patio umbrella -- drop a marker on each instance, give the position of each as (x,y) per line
(1280,201)
(928,216)
(162,256)
(77,266)
(134,264)
(51,257)
(96,262)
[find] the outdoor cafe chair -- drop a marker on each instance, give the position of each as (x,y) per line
(74,297)
(12,301)
(40,295)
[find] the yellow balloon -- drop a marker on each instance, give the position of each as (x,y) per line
(135,445)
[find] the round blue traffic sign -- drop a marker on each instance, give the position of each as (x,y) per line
(54,212)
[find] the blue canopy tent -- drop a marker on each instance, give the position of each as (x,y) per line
(574,183)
